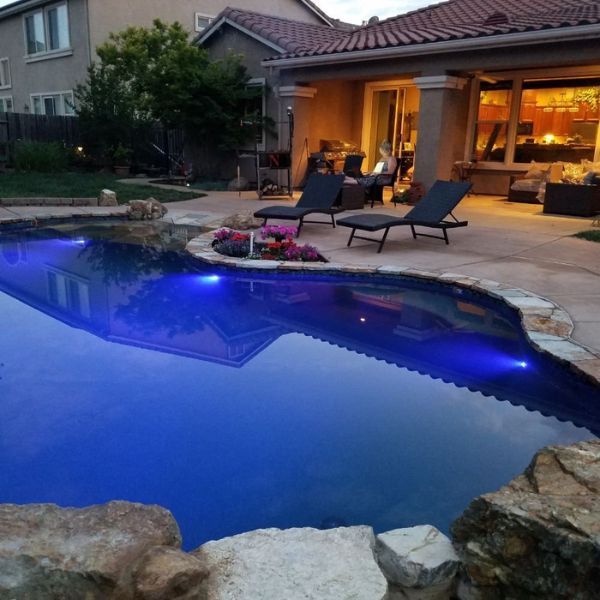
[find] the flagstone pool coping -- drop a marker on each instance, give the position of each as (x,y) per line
(547,325)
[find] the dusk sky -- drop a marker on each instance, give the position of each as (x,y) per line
(348,10)
(353,12)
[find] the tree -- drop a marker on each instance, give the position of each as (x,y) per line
(155,74)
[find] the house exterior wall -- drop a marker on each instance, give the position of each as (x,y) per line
(47,73)
(90,22)
(109,16)
(336,112)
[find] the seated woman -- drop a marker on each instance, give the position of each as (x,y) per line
(383,172)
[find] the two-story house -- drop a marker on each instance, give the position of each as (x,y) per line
(47,46)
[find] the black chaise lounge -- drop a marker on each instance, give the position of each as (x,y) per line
(319,196)
(431,211)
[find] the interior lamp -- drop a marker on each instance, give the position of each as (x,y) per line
(548,138)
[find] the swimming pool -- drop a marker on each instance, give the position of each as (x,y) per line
(247,400)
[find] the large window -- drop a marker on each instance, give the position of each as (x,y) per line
(558,120)
(491,127)
(4,73)
(47,30)
(553,120)
(59,103)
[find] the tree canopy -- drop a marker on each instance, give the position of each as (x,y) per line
(145,75)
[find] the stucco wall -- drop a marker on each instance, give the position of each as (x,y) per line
(336,112)
(109,16)
(49,75)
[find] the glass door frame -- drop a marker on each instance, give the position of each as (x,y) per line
(371,88)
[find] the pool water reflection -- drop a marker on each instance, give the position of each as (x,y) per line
(246,400)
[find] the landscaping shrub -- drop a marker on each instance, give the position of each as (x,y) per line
(592,235)
(45,157)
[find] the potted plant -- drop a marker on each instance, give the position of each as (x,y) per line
(122,160)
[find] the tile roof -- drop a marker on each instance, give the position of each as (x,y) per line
(460,19)
(291,36)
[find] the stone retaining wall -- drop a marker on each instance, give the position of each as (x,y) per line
(48,201)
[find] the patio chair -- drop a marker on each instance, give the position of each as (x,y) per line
(318,197)
(431,211)
(352,165)
(375,194)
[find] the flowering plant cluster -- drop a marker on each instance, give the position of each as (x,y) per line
(224,234)
(279,232)
(232,243)
(290,251)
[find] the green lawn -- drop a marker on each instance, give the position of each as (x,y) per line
(81,185)
(593,235)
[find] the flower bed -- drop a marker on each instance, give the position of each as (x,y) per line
(282,247)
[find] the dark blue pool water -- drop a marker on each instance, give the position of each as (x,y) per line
(252,400)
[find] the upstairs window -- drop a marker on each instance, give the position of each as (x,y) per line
(47,30)
(202,21)
(4,73)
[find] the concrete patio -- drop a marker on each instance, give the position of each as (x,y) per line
(507,242)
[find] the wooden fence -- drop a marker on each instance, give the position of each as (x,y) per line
(161,147)
(39,128)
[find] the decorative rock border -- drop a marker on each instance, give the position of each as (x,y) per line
(8,202)
(547,326)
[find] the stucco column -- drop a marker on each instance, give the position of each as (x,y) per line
(443,108)
(299,99)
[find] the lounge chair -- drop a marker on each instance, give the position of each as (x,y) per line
(319,196)
(431,211)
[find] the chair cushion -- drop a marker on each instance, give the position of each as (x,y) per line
(282,212)
(371,222)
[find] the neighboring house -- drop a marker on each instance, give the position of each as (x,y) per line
(498,81)
(47,46)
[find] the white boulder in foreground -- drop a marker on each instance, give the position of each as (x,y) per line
(294,564)
(416,558)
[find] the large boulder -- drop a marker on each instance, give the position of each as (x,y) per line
(538,537)
(241,221)
(107,198)
(295,564)
(164,573)
(421,560)
(140,210)
(73,553)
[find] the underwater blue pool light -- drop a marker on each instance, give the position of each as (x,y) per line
(80,241)
(209,278)
(523,364)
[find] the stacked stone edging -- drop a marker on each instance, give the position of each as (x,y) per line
(48,202)
(547,325)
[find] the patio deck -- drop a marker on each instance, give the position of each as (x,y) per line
(507,242)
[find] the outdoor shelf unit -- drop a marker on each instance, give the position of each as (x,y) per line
(273,161)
